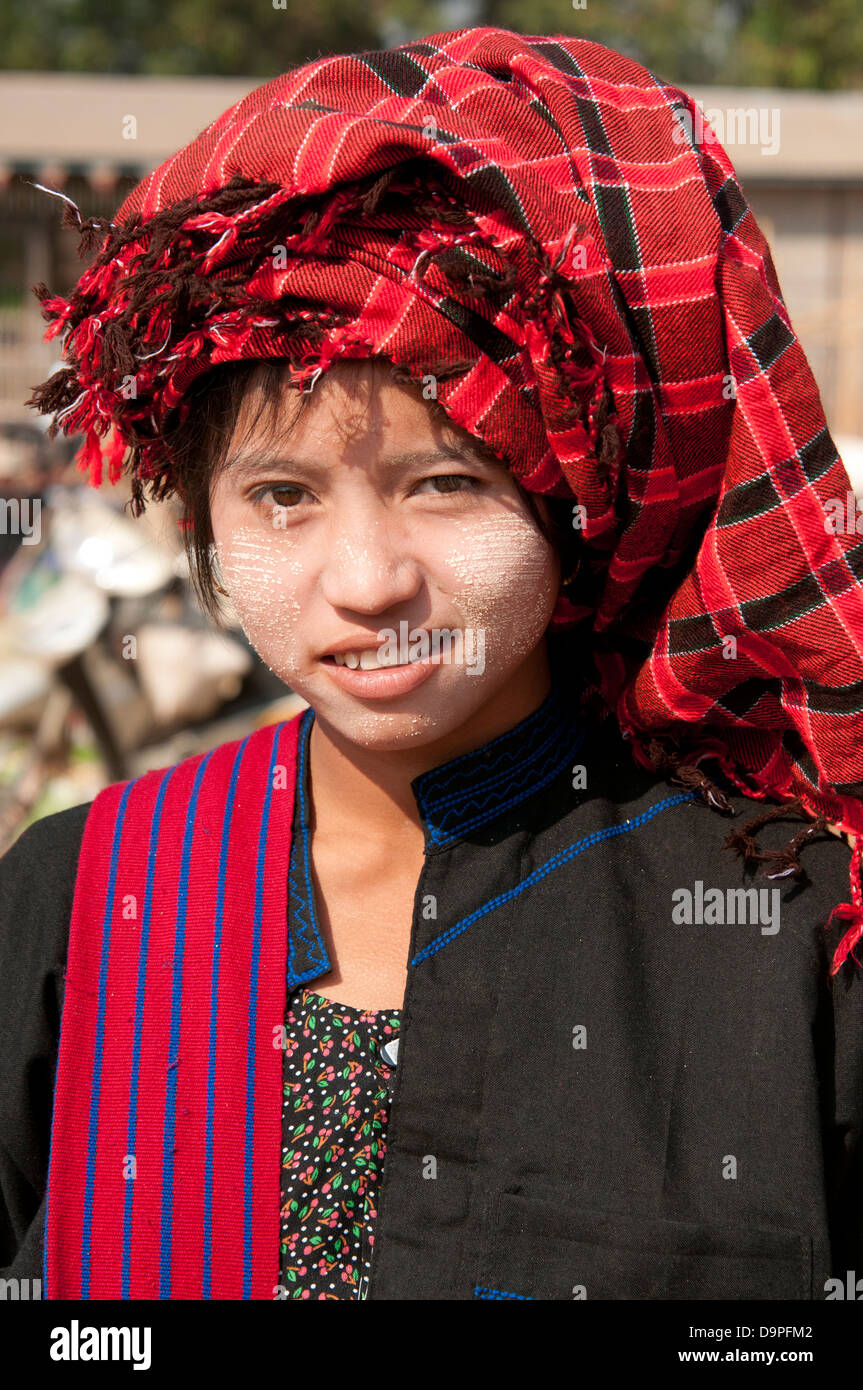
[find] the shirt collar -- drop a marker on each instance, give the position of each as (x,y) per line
(458,796)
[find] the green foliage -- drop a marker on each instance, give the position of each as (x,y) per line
(809,43)
(199,37)
(817,45)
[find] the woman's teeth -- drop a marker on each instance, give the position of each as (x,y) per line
(366,661)
(369,660)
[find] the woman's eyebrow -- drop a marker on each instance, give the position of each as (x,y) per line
(252,462)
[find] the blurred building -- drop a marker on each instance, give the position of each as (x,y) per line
(92,138)
(799,156)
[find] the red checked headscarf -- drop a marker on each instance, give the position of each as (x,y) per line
(528,221)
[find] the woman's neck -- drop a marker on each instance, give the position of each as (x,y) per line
(366,792)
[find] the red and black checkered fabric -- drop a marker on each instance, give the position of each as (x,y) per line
(564,244)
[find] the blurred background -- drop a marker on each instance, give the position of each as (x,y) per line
(107,666)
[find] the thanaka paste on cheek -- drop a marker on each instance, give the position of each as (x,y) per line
(263,580)
(505,578)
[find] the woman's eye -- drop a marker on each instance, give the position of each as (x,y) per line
(452,482)
(289,495)
(281,494)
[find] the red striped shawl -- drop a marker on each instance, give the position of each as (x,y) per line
(165,1147)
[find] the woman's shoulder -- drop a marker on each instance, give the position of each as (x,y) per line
(49,846)
(37,888)
(699,834)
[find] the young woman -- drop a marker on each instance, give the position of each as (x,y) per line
(474,379)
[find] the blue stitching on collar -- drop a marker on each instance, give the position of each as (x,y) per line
(306,932)
(523,756)
(518,741)
(480,1292)
(560,759)
(554,862)
(524,728)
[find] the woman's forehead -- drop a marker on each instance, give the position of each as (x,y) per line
(351,402)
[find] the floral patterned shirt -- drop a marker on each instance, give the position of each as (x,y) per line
(339,1072)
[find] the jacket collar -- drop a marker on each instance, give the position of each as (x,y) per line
(457,797)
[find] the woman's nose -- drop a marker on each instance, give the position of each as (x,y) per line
(365,568)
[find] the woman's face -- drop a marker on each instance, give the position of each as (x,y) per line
(370,531)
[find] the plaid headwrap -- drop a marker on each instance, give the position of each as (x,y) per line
(529,221)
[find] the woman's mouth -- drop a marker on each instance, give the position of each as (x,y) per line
(380,675)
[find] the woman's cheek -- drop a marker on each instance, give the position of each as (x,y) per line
(502,576)
(263,580)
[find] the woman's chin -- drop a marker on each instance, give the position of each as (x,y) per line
(388,720)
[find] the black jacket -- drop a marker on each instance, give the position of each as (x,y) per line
(594,1097)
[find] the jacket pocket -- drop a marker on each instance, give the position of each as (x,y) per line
(541,1249)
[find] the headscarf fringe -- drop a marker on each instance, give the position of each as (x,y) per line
(176,265)
(781,863)
(851,912)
